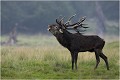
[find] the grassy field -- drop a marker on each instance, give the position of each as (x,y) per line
(46,59)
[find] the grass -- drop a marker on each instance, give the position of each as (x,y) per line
(52,61)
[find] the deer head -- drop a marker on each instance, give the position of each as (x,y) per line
(61,26)
(55,29)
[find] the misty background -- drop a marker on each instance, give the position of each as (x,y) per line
(33,17)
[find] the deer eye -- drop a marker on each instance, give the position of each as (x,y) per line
(56,27)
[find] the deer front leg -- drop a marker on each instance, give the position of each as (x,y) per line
(72,57)
(76,56)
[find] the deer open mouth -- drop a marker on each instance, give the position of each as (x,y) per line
(48,29)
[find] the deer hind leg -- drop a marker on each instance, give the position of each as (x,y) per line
(97,58)
(105,59)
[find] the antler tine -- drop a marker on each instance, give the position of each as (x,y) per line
(59,21)
(77,23)
(70,19)
(82,19)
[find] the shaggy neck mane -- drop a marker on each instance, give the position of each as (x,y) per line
(64,39)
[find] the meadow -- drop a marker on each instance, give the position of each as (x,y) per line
(44,58)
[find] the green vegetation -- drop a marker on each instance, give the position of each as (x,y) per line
(41,56)
(52,61)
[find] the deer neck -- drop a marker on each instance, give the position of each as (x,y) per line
(64,39)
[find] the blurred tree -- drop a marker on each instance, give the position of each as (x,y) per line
(36,15)
(100,18)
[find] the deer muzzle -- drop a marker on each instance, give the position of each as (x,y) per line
(48,29)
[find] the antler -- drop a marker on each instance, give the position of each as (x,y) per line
(73,26)
(60,22)
(77,25)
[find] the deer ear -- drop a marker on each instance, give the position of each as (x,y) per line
(60,31)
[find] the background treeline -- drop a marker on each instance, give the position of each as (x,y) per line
(34,16)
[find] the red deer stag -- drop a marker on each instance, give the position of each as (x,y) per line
(77,42)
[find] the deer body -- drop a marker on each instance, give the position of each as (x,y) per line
(76,42)
(80,43)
